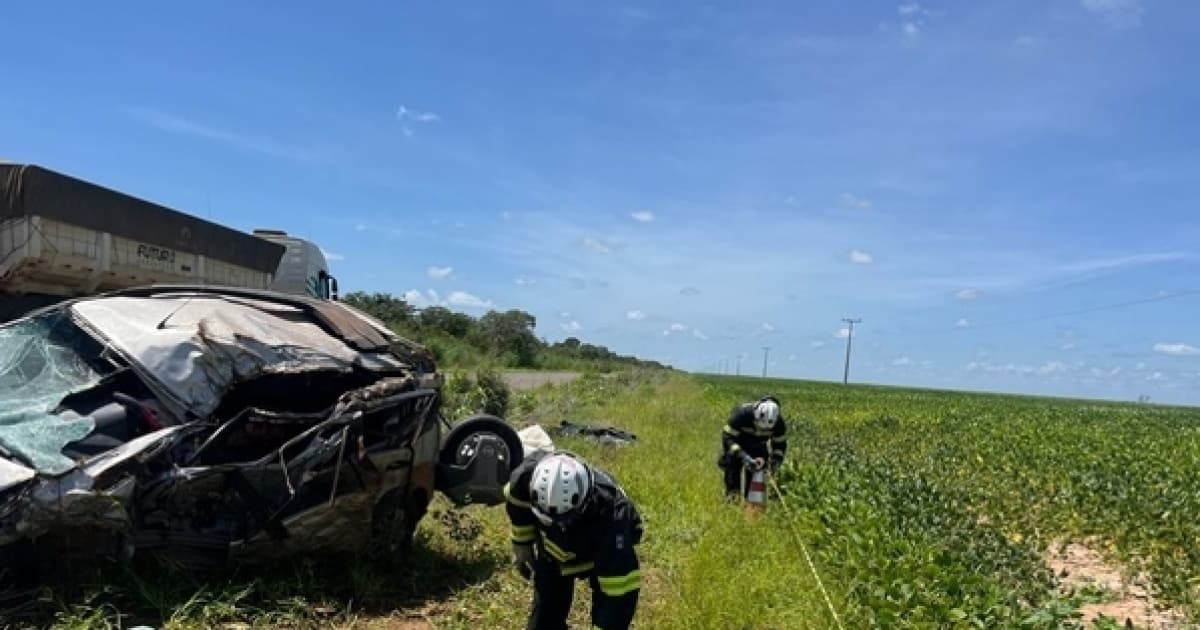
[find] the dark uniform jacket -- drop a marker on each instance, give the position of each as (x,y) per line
(599,544)
(740,434)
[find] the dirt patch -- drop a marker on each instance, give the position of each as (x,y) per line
(1077,566)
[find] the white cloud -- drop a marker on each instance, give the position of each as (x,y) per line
(440,273)
(860,257)
(791,357)
(1175,349)
(968,294)
(642,216)
(525,281)
(571,326)
(817,344)
(912,19)
(506,215)
(675,327)
(842,333)
(455,298)
(462,298)
(689,291)
(768,327)
(1118,13)
(902,361)
(1052,367)
(851,200)
(1068,346)
(1157,376)
(565,315)
(330,256)
(597,245)
(636,316)
(962,323)
(408,116)
(360,227)
(699,335)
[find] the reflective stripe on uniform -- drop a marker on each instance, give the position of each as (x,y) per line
(618,585)
(557,552)
(523,534)
(576,569)
(513,500)
(728,429)
(779,440)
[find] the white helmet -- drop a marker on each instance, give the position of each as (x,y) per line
(560,485)
(766,413)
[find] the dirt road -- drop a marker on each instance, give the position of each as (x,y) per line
(532,380)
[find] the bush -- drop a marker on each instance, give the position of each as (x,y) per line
(483,392)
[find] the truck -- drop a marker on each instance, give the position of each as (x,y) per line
(62,237)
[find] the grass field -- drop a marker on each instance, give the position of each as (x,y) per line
(921,509)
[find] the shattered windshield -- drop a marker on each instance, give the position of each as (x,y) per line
(41,361)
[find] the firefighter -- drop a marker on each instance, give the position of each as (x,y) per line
(573,521)
(754,437)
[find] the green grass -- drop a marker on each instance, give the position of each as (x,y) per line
(921,509)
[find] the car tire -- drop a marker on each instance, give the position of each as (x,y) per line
(482,423)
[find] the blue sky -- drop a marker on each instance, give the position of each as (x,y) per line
(982,183)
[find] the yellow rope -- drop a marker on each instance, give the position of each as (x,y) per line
(804,548)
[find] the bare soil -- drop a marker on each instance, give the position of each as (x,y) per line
(1077,565)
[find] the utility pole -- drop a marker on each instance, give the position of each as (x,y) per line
(739,366)
(766,351)
(849,338)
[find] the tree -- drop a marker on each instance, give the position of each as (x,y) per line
(385,307)
(510,332)
(442,319)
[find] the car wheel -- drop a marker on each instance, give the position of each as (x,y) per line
(476,458)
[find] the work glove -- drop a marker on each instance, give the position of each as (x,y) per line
(747,461)
(523,558)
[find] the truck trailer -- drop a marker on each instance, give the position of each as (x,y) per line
(62,237)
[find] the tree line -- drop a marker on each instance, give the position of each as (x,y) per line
(499,338)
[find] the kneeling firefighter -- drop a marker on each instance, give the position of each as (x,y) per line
(754,437)
(573,521)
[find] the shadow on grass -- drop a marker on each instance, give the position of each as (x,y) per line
(304,591)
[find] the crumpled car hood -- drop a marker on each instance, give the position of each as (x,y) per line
(195,347)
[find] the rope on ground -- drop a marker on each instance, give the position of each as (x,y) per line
(804,548)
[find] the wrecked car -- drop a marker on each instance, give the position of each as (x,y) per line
(216,425)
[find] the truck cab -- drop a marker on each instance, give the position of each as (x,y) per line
(303,269)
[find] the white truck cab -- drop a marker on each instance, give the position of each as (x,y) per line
(302,269)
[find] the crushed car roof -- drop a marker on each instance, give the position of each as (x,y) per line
(196,345)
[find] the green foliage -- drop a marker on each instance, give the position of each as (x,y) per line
(959,493)
(503,338)
(483,391)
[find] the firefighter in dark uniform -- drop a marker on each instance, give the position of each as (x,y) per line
(572,521)
(754,436)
